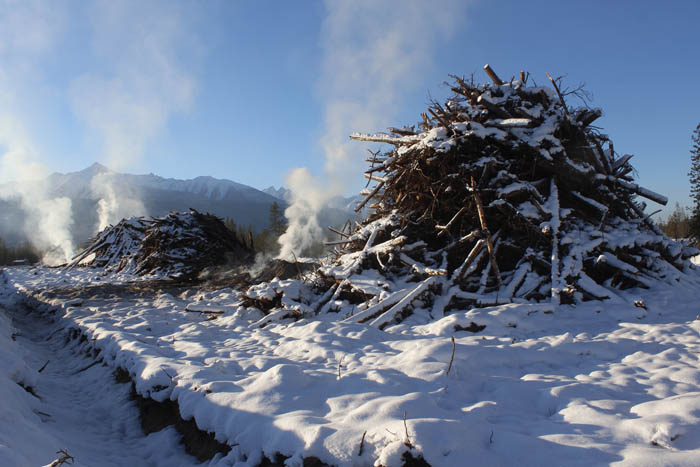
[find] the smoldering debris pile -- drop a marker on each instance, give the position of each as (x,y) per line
(111,248)
(503,194)
(180,244)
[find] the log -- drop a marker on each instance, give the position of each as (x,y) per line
(385,139)
(209,309)
(386,317)
(589,116)
(492,74)
(641,191)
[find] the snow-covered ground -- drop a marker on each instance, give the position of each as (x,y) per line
(74,404)
(598,384)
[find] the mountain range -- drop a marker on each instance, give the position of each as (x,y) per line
(156,196)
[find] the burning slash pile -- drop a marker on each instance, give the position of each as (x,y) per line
(504,194)
(180,244)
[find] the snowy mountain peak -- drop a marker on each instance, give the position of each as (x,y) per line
(94,169)
(285,194)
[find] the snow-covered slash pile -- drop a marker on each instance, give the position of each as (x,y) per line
(593,384)
(180,244)
(505,195)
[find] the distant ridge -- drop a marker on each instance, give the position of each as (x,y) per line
(248,206)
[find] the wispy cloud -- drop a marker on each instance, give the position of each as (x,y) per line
(141,82)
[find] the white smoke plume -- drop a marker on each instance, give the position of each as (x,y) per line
(48,220)
(115,205)
(375,52)
(28,30)
(307,201)
(141,45)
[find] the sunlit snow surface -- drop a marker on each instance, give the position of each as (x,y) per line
(598,384)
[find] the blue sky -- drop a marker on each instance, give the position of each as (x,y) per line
(249,90)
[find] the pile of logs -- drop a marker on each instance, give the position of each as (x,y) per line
(180,244)
(504,193)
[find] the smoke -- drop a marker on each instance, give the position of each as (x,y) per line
(47,219)
(133,84)
(374,52)
(307,201)
(112,205)
(28,31)
(142,82)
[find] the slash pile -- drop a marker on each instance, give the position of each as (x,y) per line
(180,244)
(113,245)
(503,194)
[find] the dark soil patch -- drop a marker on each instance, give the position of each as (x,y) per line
(157,415)
(473,327)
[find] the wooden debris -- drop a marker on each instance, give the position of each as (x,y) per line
(506,158)
(176,245)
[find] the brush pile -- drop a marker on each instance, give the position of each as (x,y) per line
(110,248)
(503,194)
(180,244)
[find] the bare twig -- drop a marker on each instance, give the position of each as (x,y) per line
(44,367)
(342,234)
(87,367)
(442,122)
(407,441)
(340,364)
(556,88)
(362,444)
(484,227)
(452,357)
(64,459)
(296,263)
(446,227)
(370,196)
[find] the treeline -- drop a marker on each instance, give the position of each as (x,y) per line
(678,224)
(266,240)
(24,251)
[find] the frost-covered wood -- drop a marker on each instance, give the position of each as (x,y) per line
(180,244)
(511,196)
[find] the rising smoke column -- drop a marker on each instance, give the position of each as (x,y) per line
(28,32)
(140,45)
(374,52)
(48,219)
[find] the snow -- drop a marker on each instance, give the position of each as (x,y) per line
(76,406)
(602,383)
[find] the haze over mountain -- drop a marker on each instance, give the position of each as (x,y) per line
(157,195)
